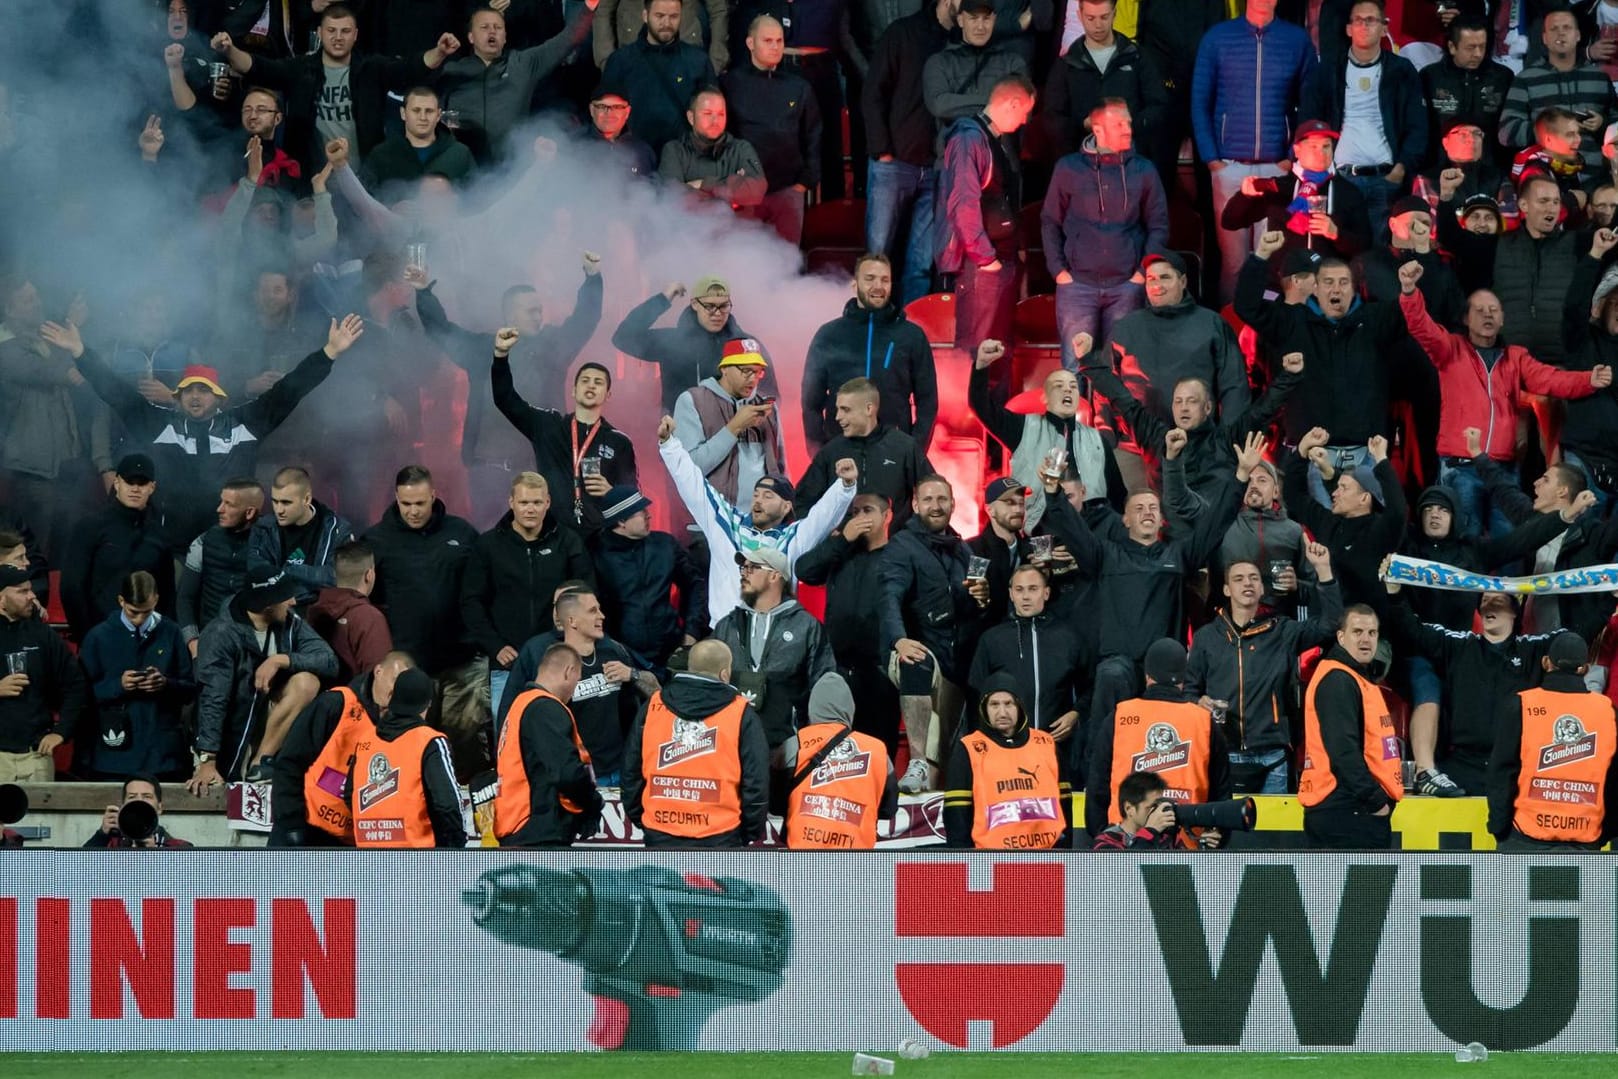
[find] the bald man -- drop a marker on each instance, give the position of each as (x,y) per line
(697,764)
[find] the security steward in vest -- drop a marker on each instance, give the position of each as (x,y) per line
(309,776)
(1002,790)
(548,793)
(1352,774)
(697,765)
(1164,732)
(402,789)
(839,801)
(1553,778)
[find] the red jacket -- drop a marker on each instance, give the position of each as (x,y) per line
(1474,396)
(1607,656)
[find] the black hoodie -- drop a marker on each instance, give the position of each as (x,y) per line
(437,779)
(1098,792)
(418,585)
(880,344)
(1046,658)
(1506,765)
(890,463)
(695,697)
(686,352)
(959,811)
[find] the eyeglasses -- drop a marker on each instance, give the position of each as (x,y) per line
(713,308)
(607,106)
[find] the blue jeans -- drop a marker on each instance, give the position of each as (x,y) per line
(1473,495)
(1379,196)
(497,689)
(1092,309)
(1602,497)
(1275,780)
(1343,459)
(897,188)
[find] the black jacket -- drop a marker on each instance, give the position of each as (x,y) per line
(1506,764)
(1344,204)
(140,732)
(695,697)
(883,346)
(1255,666)
(1591,427)
(1588,541)
(317,570)
(794,656)
(890,463)
(633,581)
(1098,792)
(1340,708)
(1076,86)
(555,771)
(57,696)
(102,551)
(215,570)
(195,458)
(508,582)
(301,80)
(1452,92)
(686,353)
(538,366)
(1140,592)
(924,596)
(418,585)
(775,112)
(395,165)
(1358,544)
(553,436)
(1346,373)
(1532,277)
(1377,272)
(896,118)
(658,81)
(959,812)
(306,739)
(1399,96)
(1477,673)
(852,574)
(1048,660)
(437,779)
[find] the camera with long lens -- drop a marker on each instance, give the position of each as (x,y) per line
(1236,815)
(137,822)
(13,808)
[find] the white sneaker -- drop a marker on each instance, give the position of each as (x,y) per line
(914,781)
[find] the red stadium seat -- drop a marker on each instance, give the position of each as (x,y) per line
(838,223)
(935,314)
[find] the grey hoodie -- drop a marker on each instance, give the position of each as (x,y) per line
(787,647)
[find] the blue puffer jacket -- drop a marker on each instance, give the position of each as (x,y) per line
(1102,214)
(1245,90)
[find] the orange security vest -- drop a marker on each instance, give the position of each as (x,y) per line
(1166,738)
(1382,749)
(514,804)
(1567,747)
(693,771)
(835,807)
(325,784)
(390,799)
(1016,795)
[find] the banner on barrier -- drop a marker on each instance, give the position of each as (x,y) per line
(733,951)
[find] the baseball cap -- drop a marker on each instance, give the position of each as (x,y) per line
(267,592)
(1569,652)
(1463,121)
(768,557)
(742,352)
(1410,204)
(998,489)
(1172,258)
(977,5)
(709,283)
(1299,260)
(621,503)
(1165,661)
(779,485)
(1310,128)
(198,374)
(1480,202)
(1365,476)
(412,693)
(136,468)
(12,576)
(606,88)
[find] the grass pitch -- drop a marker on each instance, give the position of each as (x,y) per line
(792,1065)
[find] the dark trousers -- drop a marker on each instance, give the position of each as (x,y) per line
(984,305)
(1343,828)
(820,69)
(876,703)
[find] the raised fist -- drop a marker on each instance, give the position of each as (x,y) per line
(1409,274)
(505,339)
(989,352)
